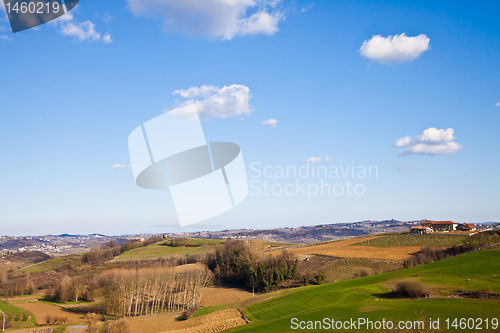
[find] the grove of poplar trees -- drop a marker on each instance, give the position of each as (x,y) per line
(135,292)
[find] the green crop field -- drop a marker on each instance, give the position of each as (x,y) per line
(50,264)
(16,316)
(396,240)
(8,309)
(196,246)
(370,297)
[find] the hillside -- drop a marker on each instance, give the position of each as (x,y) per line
(371,297)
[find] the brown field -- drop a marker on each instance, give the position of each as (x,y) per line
(222,295)
(33,330)
(188,267)
(41,310)
(341,249)
(213,322)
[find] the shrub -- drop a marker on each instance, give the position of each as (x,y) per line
(93,322)
(319,277)
(410,288)
(119,326)
(363,273)
(191,311)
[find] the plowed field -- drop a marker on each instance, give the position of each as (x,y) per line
(348,249)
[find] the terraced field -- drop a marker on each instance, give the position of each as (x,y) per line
(350,248)
(397,240)
(213,322)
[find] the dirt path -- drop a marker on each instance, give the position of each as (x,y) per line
(343,249)
(213,322)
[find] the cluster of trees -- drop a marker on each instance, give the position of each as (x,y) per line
(429,254)
(176,242)
(21,286)
(238,262)
(134,292)
(73,289)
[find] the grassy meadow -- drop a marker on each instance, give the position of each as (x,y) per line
(159,250)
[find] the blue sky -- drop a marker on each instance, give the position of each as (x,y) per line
(73,90)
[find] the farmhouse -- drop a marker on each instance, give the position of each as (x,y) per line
(420,230)
(440,225)
(466,227)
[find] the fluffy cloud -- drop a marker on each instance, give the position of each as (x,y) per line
(434,135)
(498,104)
(403,142)
(121,166)
(106,39)
(396,48)
(316,160)
(223,19)
(271,122)
(108,18)
(212,102)
(432,141)
(81,31)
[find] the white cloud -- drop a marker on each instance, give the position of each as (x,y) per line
(432,141)
(63,18)
(222,19)
(434,135)
(316,160)
(271,122)
(305,9)
(212,102)
(121,166)
(4,37)
(498,104)
(108,18)
(403,142)
(106,39)
(82,31)
(396,48)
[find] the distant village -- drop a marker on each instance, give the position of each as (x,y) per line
(64,244)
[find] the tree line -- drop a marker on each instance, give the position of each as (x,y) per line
(476,242)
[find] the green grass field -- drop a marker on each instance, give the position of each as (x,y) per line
(396,240)
(370,297)
(154,251)
(18,317)
(50,264)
